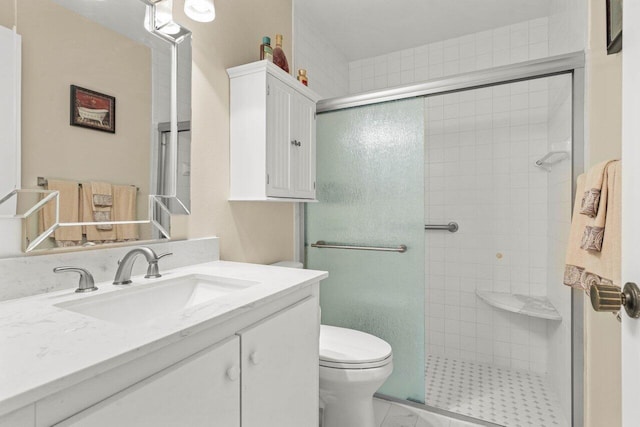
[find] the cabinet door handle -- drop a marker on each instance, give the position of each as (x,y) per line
(255,358)
(233,373)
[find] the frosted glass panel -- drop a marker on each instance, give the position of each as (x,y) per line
(370,187)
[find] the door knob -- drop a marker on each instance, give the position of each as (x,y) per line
(610,298)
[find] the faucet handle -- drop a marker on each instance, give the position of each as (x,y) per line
(152,269)
(86,283)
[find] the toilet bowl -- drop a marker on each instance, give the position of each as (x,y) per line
(353,366)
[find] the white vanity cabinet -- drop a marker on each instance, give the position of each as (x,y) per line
(202,390)
(280,369)
(256,369)
(273,135)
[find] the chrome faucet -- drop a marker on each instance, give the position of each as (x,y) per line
(125,265)
(86,284)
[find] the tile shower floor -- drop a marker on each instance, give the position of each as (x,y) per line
(498,395)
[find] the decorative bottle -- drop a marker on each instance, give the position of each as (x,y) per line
(279,58)
(266,51)
(302,77)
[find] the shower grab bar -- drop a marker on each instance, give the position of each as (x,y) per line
(451,227)
(323,244)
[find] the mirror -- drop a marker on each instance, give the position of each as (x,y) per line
(96,110)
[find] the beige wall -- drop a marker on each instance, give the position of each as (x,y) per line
(602,331)
(60,48)
(252,232)
(7,12)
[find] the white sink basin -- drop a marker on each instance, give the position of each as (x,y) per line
(145,303)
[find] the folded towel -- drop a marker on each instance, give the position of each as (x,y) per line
(124,209)
(93,233)
(102,203)
(593,233)
(595,183)
(586,267)
(69,203)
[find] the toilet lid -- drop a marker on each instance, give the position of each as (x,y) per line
(343,345)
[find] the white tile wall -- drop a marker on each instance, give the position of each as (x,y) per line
(481,146)
(567,26)
(327,68)
(501,46)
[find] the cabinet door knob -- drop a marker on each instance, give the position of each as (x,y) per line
(610,298)
(233,373)
(255,358)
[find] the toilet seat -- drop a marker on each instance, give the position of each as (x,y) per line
(369,365)
(344,348)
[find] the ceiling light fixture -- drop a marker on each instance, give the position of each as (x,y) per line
(200,10)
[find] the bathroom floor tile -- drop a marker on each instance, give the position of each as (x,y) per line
(498,395)
(380,410)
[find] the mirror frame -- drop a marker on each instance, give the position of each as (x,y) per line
(160,206)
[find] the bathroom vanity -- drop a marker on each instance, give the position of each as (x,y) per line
(220,343)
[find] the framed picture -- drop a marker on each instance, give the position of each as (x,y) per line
(614,26)
(92,110)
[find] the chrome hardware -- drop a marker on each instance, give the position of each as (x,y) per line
(323,244)
(451,227)
(125,265)
(296,143)
(86,283)
(546,165)
(610,298)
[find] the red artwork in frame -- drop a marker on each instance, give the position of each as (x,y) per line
(92,110)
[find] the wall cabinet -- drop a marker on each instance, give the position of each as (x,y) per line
(273,135)
(263,374)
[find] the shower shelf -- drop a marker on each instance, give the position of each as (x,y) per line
(532,306)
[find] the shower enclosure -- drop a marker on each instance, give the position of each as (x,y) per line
(443,217)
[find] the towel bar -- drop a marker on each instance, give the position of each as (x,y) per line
(42,182)
(323,244)
(451,227)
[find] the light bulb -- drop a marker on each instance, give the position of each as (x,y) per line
(200,10)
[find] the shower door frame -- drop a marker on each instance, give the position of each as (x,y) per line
(572,64)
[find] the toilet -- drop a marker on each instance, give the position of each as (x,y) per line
(353,366)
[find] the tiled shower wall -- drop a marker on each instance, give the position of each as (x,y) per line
(501,46)
(327,68)
(481,146)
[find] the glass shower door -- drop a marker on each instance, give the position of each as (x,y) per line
(370,187)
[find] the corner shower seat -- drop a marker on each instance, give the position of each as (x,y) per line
(533,306)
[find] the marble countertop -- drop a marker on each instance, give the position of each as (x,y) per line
(45,349)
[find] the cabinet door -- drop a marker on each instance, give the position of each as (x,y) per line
(280,369)
(303,150)
(202,390)
(278,138)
